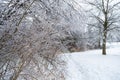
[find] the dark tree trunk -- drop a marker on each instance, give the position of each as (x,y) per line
(99,44)
(104,43)
(99,40)
(105,33)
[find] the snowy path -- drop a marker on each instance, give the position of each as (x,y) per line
(91,65)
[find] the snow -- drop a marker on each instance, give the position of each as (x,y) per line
(91,65)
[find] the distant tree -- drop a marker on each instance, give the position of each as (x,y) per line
(106,12)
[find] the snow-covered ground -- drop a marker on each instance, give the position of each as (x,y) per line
(91,65)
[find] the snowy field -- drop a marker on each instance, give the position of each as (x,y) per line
(91,65)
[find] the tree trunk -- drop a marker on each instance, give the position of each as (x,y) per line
(99,44)
(104,43)
(105,33)
(99,39)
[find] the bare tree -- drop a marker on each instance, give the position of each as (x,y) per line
(30,43)
(108,11)
(29,47)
